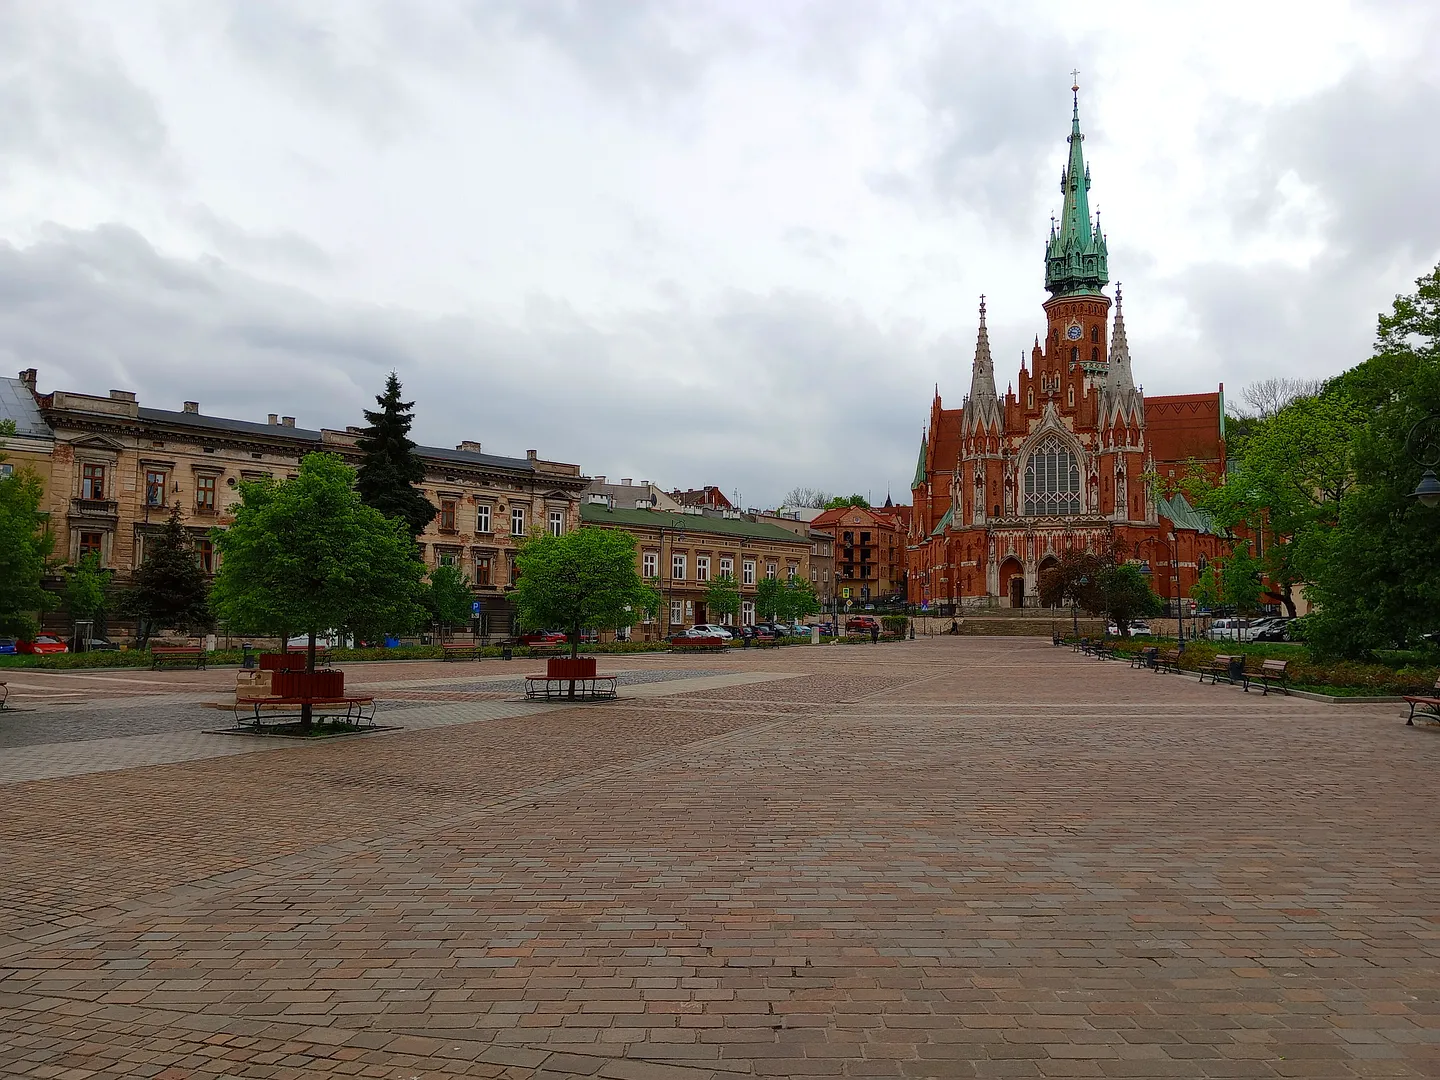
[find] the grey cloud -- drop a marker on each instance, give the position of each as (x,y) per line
(68,104)
(284,247)
(763,393)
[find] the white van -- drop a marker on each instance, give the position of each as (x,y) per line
(1229,630)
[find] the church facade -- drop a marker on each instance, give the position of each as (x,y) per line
(1073,456)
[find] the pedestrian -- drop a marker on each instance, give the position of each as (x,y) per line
(874,633)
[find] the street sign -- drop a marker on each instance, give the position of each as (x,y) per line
(845,593)
(474,607)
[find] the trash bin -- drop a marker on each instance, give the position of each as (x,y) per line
(248,657)
(505,652)
(1237,669)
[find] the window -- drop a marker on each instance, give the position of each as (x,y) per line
(444,558)
(1095,355)
(512,570)
(677,567)
(517,521)
(1072,395)
(1030,398)
(677,612)
(1201,563)
(92,482)
(1052,481)
(447,515)
(747,613)
(849,538)
(749,572)
(91,543)
(6,469)
(483,574)
(1074,354)
(205,555)
(1094,333)
(770,569)
(557,522)
(649,565)
(727,568)
(205,494)
(702,567)
(482,518)
(864,538)
(825,576)
(154,487)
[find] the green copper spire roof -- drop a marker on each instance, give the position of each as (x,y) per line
(920,465)
(1076,255)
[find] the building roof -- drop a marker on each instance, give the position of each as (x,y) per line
(944,522)
(919,480)
(17,403)
(222,424)
(1185,516)
(470,457)
(595,514)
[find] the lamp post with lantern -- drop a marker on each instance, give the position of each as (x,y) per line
(1423,447)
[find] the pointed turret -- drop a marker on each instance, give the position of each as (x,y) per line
(920,473)
(1076,254)
(1120,402)
(982,407)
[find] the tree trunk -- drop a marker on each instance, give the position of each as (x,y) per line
(1287,597)
(574,653)
(307,713)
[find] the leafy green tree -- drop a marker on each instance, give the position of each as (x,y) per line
(1241,573)
(168,589)
(581,580)
(722,598)
(389,468)
(25,548)
(449,597)
(1375,577)
(769,598)
(306,554)
(839,502)
(1127,596)
(87,592)
(1074,579)
(799,599)
(1208,592)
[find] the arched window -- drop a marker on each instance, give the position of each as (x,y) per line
(1055,336)
(1095,355)
(1030,399)
(1052,481)
(1201,563)
(1072,395)
(1094,333)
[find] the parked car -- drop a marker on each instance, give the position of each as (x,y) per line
(767,630)
(828,629)
(1139,626)
(798,629)
(1277,629)
(332,640)
(542,637)
(861,624)
(7,646)
(100,644)
(714,630)
(1229,630)
(697,633)
(42,645)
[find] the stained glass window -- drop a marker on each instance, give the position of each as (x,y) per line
(1052,481)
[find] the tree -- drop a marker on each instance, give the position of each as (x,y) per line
(1375,577)
(306,554)
(87,592)
(1267,397)
(389,469)
(839,502)
(1103,583)
(580,580)
(1074,579)
(25,548)
(1241,573)
(799,599)
(769,598)
(449,597)
(722,598)
(1207,591)
(1127,595)
(806,498)
(168,589)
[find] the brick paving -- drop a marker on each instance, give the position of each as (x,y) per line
(949,858)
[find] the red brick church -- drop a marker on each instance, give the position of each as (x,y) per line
(1070,456)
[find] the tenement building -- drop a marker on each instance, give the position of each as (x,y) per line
(118,467)
(870,554)
(1073,456)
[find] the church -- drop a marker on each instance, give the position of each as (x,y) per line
(1073,456)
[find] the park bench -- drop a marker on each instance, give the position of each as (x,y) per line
(1271,673)
(1084,645)
(180,654)
(1430,705)
(1149,657)
(358,709)
(547,648)
(1169,660)
(1103,651)
(1056,638)
(705,644)
(1220,667)
(461,651)
(593,688)
(4,694)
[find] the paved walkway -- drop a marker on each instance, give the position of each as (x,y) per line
(960,857)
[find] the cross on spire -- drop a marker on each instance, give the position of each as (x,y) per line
(1075,77)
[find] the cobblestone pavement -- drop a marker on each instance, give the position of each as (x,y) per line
(961,857)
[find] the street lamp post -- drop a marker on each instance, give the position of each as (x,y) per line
(675,531)
(1171,554)
(1422,445)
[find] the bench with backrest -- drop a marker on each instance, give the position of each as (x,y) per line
(1425,703)
(179,654)
(1271,673)
(546,648)
(1103,650)
(700,644)
(1219,668)
(460,651)
(1169,660)
(1148,656)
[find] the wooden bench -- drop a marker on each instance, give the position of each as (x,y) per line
(1220,666)
(546,648)
(1271,673)
(1430,705)
(1169,660)
(1103,651)
(595,688)
(705,644)
(358,709)
(1149,657)
(182,654)
(460,651)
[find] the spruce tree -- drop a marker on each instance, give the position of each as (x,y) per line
(389,469)
(169,589)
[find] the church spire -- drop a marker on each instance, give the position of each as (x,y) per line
(982,407)
(1119,378)
(1075,255)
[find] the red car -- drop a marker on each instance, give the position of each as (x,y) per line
(43,643)
(861,624)
(542,637)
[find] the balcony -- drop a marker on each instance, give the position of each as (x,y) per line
(97,509)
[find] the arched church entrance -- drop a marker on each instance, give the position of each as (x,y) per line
(1048,563)
(1012,582)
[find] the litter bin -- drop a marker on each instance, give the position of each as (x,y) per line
(505,652)
(1237,669)
(247,657)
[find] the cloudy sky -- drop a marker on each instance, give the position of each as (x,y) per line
(729,242)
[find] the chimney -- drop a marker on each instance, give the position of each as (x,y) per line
(192,406)
(287,421)
(469,446)
(352,429)
(29,377)
(532,455)
(122,395)
(274,419)
(627,482)
(597,479)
